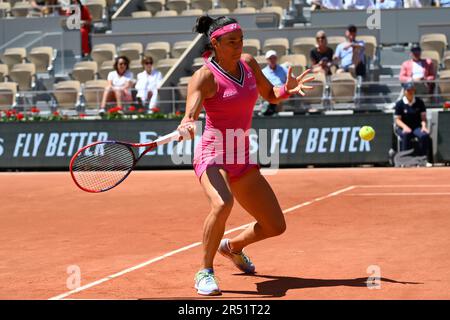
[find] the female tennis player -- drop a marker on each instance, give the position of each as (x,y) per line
(227,86)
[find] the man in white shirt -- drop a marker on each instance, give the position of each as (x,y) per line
(147,84)
(358,4)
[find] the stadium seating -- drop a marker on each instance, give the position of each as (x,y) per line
(182,87)
(136,67)
(96,8)
(257,4)
(106,67)
(303,45)
(154,5)
(93,93)
(132,50)
(446,60)
(23,74)
(67,94)
(315,96)
(277,10)
(252,46)
(179,47)
(8,91)
(204,5)
(164,65)
(12,56)
(21,9)
(141,14)
(197,64)
(218,12)
(280,45)
(262,62)
(298,62)
(228,4)
(177,5)
(444,84)
(333,41)
(157,50)
(192,12)
(42,57)
(84,71)
(166,13)
(370,46)
(4,72)
(434,56)
(434,42)
(280,3)
(246,10)
(343,87)
(5,9)
(103,52)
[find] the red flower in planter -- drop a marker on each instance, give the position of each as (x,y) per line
(56,114)
(82,115)
(155,109)
(178,113)
(141,110)
(20,116)
(35,110)
(132,108)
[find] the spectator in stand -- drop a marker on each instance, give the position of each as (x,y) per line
(418,70)
(43,7)
(277,75)
(443,3)
(411,120)
(326,4)
(85,28)
(358,4)
(321,55)
(388,4)
(351,53)
(120,81)
(147,84)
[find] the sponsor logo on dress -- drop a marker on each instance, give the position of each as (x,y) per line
(229,93)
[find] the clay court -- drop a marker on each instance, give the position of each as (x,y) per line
(141,240)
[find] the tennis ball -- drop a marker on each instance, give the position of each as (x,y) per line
(366,133)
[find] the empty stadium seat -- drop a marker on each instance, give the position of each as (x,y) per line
(304,45)
(179,47)
(246,10)
(192,12)
(5,9)
(164,65)
(280,45)
(277,10)
(280,3)
(177,5)
(21,9)
(42,57)
(84,71)
(252,46)
(205,5)
(96,8)
(154,5)
(67,94)
(316,94)
(446,60)
(434,56)
(166,13)
(444,84)
(141,14)
(218,12)
(12,56)
(343,87)
(136,67)
(132,50)
(8,91)
(333,41)
(298,62)
(434,42)
(257,4)
(103,52)
(4,72)
(197,64)
(105,68)
(93,93)
(157,50)
(23,74)
(229,4)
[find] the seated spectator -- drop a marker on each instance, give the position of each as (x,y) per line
(358,4)
(277,75)
(321,55)
(388,4)
(326,4)
(417,70)
(147,84)
(411,120)
(44,7)
(351,53)
(120,81)
(443,3)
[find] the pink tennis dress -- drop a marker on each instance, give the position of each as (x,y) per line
(225,141)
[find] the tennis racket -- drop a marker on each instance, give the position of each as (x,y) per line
(103,165)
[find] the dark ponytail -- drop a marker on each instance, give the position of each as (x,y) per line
(207,25)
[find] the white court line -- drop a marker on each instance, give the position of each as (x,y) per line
(398,194)
(193,245)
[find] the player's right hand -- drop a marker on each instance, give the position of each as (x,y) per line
(187,130)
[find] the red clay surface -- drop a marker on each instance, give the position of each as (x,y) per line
(47,225)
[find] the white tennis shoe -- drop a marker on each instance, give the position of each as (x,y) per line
(240,260)
(206,283)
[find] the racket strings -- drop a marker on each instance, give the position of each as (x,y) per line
(103,166)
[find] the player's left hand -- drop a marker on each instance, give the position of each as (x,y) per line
(297,84)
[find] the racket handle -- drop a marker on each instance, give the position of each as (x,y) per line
(174,136)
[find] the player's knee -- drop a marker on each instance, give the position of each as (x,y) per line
(276,229)
(223,205)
